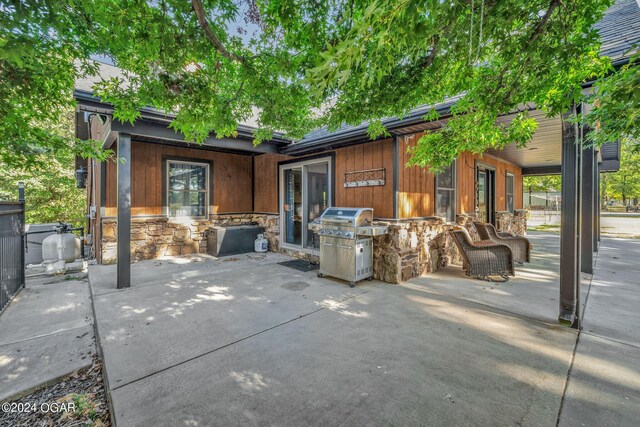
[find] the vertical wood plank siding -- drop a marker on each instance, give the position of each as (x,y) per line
(265,181)
(232,177)
(233,174)
(467,178)
(416,187)
(372,155)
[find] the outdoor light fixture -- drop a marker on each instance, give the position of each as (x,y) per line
(81,177)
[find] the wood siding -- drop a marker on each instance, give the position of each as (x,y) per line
(266,182)
(467,179)
(372,155)
(232,177)
(416,185)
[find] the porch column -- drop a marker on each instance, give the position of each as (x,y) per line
(596,234)
(396,171)
(124,210)
(569,223)
(588,210)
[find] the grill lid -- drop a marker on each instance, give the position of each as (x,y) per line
(352,217)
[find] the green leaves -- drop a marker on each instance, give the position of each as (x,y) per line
(473,132)
(616,106)
(304,65)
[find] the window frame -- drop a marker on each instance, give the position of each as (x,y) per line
(453,189)
(207,191)
(506,191)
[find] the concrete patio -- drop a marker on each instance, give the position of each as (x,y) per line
(242,340)
(45,333)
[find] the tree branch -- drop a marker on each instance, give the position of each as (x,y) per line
(537,32)
(543,22)
(217,44)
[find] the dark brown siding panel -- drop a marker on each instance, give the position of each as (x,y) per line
(372,155)
(266,182)
(232,177)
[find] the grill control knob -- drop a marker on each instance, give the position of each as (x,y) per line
(338,233)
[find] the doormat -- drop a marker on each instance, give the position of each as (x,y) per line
(300,265)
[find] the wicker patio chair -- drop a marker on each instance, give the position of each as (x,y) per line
(485,258)
(520,246)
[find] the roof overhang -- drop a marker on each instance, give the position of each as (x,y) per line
(153,126)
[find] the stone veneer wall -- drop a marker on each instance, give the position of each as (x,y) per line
(156,237)
(410,249)
(515,222)
(413,248)
(416,247)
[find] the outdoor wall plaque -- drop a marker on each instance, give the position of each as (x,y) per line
(364,178)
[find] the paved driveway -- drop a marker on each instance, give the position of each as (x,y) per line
(244,340)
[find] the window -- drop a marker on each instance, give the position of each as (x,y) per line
(187,189)
(509,187)
(446,193)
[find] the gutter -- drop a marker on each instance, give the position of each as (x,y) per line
(359,133)
(95,104)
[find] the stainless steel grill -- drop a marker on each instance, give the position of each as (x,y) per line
(346,244)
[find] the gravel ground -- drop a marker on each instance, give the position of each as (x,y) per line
(77,400)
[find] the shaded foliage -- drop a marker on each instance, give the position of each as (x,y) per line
(624,185)
(50,191)
(295,65)
(542,183)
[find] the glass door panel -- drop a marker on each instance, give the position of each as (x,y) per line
(305,195)
(293,213)
(482,195)
(317,197)
(486,195)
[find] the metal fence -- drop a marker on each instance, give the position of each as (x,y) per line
(11,250)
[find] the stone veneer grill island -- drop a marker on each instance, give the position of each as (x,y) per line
(411,248)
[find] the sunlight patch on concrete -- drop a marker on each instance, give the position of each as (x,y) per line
(341,307)
(62,308)
(250,381)
(5,360)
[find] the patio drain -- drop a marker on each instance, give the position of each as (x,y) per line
(295,286)
(300,265)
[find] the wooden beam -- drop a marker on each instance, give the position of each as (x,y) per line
(124,211)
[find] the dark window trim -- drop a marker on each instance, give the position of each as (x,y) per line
(477,165)
(330,154)
(513,191)
(165,202)
(454,189)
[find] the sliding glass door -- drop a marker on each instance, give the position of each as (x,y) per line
(293,206)
(485,194)
(305,194)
